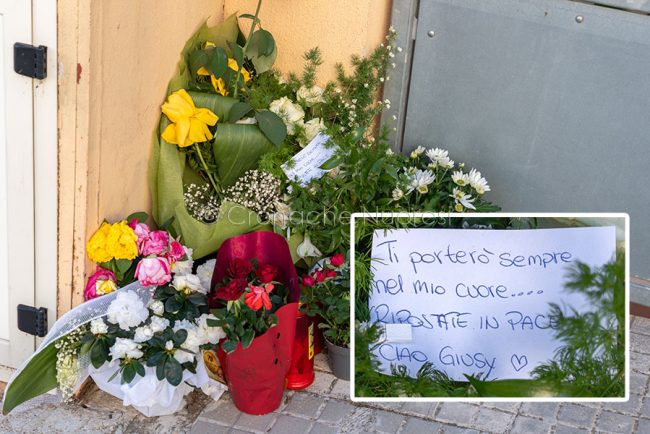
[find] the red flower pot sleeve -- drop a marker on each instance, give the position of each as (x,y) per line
(256,375)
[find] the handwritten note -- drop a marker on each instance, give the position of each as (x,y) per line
(306,164)
(477,301)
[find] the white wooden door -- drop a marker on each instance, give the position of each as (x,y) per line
(16,185)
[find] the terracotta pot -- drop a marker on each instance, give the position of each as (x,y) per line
(339,360)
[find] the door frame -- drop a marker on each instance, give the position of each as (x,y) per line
(45,161)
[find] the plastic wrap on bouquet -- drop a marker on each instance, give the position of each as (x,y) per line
(153,397)
(256,375)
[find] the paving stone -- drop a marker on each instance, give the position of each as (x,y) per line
(456,412)
(544,410)
(335,411)
(511,407)
(638,382)
(450,429)
(202,426)
(643,426)
(641,325)
(387,421)
(304,405)
(222,412)
(237,431)
(632,406)
(255,423)
(421,409)
(416,425)
(564,429)
(639,343)
(639,362)
(577,415)
(341,389)
(321,428)
(493,420)
(290,425)
(390,406)
(322,384)
(525,424)
(615,423)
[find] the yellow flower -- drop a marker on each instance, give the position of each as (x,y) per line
(96,246)
(232,64)
(189,123)
(104,287)
(218,83)
(122,241)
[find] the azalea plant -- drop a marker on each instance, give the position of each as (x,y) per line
(129,250)
(247,299)
(326,292)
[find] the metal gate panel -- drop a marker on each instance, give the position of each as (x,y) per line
(550,99)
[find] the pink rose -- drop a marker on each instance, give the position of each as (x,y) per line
(153,271)
(176,252)
(100,283)
(142,231)
(155,244)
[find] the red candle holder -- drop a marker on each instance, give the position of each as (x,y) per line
(301,372)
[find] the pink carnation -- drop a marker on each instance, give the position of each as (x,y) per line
(153,271)
(176,252)
(155,244)
(100,283)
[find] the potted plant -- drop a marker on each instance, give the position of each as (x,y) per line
(326,292)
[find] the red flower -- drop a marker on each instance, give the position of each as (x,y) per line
(307,280)
(337,260)
(330,273)
(319,276)
(259,296)
(233,289)
(239,268)
(266,273)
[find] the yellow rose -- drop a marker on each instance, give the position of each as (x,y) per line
(189,124)
(96,246)
(122,241)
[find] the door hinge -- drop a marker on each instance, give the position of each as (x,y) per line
(30,61)
(32,320)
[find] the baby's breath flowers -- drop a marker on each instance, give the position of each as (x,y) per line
(67,361)
(201,203)
(256,190)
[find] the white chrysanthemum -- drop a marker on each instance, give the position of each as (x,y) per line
(127,310)
(440,158)
(205,271)
(420,180)
(307,249)
(417,152)
(462,198)
(184,267)
(310,95)
(98,327)
(477,182)
(208,334)
(143,334)
(188,283)
(460,178)
(288,111)
(398,194)
(157,307)
(125,348)
(158,324)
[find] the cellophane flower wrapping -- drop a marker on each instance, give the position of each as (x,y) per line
(256,375)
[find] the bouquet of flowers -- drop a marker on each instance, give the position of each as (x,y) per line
(129,250)
(251,296)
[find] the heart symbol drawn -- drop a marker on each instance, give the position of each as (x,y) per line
(518,362)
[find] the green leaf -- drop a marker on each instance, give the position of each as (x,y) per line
(248,16)
(218,104)
(160,368)
(128,373)
(238,111)
(99,353)
(155,358)
(139,368)
(179,337)
(519,388)
(173,371)
(237,149)
(172,304)
(229,346)
(140,216)
(333,162)
(247,338)
(36,378)
(197,299)
(261,43)
(123,265)
(272,126)
(218,64)
(237,53)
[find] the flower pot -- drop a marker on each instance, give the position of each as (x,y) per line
(301,372)
(339,360)
(256,376)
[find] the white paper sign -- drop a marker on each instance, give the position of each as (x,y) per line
(478,300)
(306,163)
